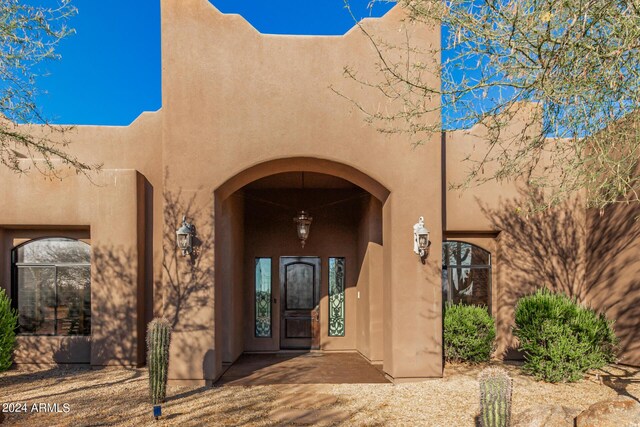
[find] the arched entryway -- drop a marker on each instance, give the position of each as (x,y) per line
(276,294)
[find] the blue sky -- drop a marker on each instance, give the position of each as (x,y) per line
(110,69)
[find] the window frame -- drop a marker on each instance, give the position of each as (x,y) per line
(14,283)
(488,267)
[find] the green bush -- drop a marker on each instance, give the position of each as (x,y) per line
(562,340)
(469,333)
(8,324)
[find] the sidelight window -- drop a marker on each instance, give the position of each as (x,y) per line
(263,297)
(336,297)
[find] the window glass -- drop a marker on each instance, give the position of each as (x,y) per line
(54,251)
(336,297)
(74,300)
(466,273)
(36,300)
(52,287)
(460,254)
(263,297)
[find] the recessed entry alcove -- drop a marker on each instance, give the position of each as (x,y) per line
(279,295)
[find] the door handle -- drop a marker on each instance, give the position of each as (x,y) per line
(275,301)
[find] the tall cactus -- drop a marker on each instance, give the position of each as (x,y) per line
(495,397)
(158,340)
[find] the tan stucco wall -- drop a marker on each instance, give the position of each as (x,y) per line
(370,315)
(225,85)
(613,272)
(239,106)
(108,208)
(235,313)
(528,251)
(370,320)
(588,255)
(465,209)
(136,147)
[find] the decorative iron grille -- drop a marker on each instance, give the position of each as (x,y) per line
(336,297)
(263,297)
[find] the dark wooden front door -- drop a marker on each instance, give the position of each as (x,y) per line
(300,294)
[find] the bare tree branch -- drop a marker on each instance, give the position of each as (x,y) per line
(579,60)
(29,35)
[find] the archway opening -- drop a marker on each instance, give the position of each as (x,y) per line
(278,295)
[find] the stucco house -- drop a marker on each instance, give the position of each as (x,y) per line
(248,136)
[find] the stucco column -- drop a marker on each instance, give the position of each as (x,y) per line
(190,295)
(117,323)
(412,291)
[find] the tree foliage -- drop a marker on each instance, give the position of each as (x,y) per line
(29,35)
(579,60)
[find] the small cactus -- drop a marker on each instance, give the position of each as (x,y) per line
(158,340)
(495,397)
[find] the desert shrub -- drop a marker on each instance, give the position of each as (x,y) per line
(561,339)
(469,333)
(8,324)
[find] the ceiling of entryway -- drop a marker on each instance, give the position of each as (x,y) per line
(299,180)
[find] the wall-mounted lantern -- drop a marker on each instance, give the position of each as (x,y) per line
(303,224)
(184,237)
(421,241)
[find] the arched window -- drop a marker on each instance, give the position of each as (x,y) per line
(51,286)
(466,273)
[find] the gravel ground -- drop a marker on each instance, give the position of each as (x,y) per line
(117,396)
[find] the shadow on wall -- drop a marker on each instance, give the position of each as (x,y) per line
(114,308)
(188,279)
(589,257)
(187,284)
(614,272)
(116,298)
(432,344)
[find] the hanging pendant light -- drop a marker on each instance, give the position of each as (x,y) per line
(303,223)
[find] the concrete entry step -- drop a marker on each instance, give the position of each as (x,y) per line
(301,368)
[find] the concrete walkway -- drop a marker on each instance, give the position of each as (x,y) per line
(301,368)
(296,378)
